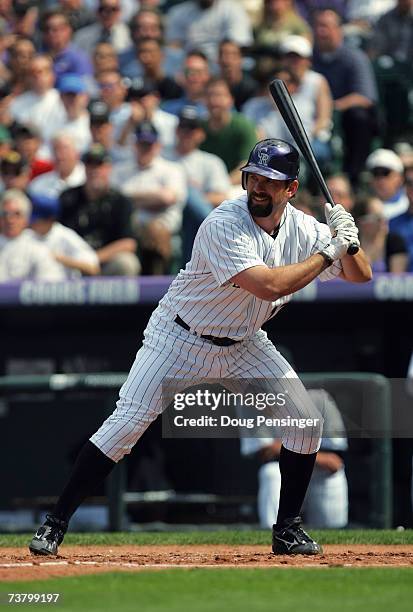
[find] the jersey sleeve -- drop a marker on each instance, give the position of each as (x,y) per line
(322,238)
(227,250)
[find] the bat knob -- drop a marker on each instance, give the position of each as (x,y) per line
(352,249)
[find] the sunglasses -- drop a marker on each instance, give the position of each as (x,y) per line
(409,182)
(380,172)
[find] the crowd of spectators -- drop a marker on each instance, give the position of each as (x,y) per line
(124,123)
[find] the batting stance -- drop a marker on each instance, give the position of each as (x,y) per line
(249,256)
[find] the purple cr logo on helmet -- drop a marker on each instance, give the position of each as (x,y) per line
(273,158)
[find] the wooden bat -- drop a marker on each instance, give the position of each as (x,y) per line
(289,113)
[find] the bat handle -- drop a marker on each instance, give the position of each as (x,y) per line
(353,248)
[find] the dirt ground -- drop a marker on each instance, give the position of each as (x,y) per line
(19,564)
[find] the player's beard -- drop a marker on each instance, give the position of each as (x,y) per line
(260,210)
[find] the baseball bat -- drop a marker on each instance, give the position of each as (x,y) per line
(289,113)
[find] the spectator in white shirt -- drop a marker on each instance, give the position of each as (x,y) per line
(158,191)
(73,93)
(69,170)
(70,250)
(41,106)
(21,255)
(108,28)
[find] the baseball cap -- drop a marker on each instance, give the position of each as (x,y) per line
(99,112)
(189,117)
(146,132)
(384,158)
(71,83)
(43,207)
(13,160)
(296,44)
(96,154)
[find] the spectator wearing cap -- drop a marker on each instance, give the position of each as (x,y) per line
(158,190)
(279,19)
(57,41)
(73,93)
(102,132)
(386,251)
(194,80)
(41,105)
(150,55)
(230,60)
(350,76)
(207,177)
(144,100)
(102,216)
(147,23)
(68,248)
(20,55)
(28,142)
(113,92)
(386,181)
(68,171)
(228,134)
(403,224)
(203,24)
(108,28)
(15,171)
(21,255)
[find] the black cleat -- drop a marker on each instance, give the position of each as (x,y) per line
(48,537)
(290,539)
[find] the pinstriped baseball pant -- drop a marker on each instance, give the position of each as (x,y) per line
(169,351)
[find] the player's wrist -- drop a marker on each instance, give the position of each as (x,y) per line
(327,258)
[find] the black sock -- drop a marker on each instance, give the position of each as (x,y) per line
(296,470)
(90,469)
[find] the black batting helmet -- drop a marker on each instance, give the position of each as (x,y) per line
(274,158)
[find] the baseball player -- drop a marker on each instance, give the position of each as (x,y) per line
(249,255)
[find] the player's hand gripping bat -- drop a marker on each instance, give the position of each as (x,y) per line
(289,113)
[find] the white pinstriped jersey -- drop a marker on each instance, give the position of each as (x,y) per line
(228,242)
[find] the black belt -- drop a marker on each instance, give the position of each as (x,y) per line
(214,339)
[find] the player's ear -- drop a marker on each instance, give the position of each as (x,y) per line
(292,188)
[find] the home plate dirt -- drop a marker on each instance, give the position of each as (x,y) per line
(19,564)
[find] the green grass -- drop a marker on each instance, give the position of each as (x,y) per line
(246,590)
(362,536)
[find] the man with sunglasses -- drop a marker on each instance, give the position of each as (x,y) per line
(108,28)
(386,172)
